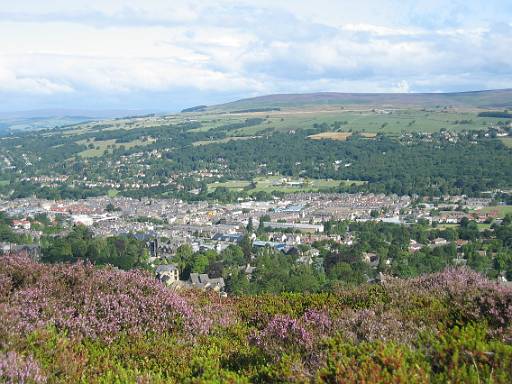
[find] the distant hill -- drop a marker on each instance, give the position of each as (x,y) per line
(35,123)
(493,99)
(51,118)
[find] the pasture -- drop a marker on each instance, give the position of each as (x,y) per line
(363,120)
(391,122)
(99,147)
(282,184)
(225,140)
(337,136)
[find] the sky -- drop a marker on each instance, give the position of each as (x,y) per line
(164,55)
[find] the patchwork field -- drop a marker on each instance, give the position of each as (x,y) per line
(362,119)
(392,122)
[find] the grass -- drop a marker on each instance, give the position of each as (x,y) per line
(355,119)
(338,136)
(107,145)
(112,192)
(237,185)
(391,122)
(3,183)
(507,141)
(501,210)
(481,226)
(443,226)
(225,140)
(278,183)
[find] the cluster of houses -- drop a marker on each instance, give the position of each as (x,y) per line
(296,219)
(169,274)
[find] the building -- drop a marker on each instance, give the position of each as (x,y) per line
(302,227)
(228,237)
(414,246)
(21,224)
(270,244)
(167,273)
(203,281)
(439,242)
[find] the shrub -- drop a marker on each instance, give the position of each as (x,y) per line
(16,369)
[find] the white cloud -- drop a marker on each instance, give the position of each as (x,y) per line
(402,87)
(10,82)
(128,50)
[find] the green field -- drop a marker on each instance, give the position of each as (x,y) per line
(101,146)
(391,122)
(394,122)
(278,183)
(112,192)
(3,183)
(507,141)
(225,140)
(481,226)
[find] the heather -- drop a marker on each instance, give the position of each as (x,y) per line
(76,323)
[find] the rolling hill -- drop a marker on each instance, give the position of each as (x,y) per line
(492,99)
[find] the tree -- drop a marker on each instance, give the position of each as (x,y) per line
(246,245)
(110,207)
(250,225)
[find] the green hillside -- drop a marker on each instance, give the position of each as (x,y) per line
(478,99)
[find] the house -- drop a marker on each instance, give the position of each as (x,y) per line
(21,224)
(248,270)
(203,281)
(303,227)
(438,242)
(228,237)
(82,220)
(414,246)
(270,244)
(5,248)
(460,243)
(167,273)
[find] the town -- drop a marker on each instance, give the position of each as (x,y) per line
(294,224)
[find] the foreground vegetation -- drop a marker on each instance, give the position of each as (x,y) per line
(75,323)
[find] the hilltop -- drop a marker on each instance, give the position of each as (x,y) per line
(498,99)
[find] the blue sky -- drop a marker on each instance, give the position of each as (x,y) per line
(166,55)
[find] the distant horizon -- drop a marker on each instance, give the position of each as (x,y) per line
(119,112)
